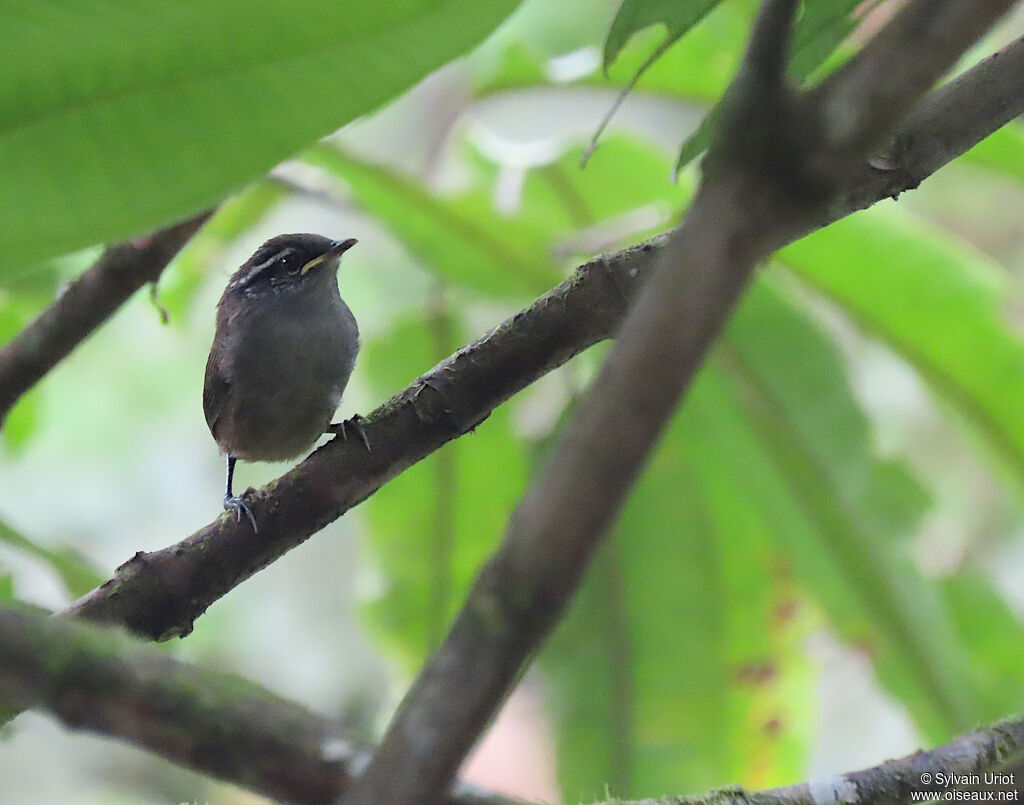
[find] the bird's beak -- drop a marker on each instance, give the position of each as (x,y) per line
(336,249)
(342,246)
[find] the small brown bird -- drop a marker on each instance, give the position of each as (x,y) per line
(282,355)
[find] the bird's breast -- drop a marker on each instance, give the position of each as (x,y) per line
(287,367)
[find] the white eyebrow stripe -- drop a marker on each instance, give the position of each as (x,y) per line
(255,270)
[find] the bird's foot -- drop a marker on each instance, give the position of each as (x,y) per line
(355,423)
(237,504)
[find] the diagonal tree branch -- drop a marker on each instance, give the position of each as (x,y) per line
(104,681)
(772,167)
(159,594)
(88,301)
(525,587)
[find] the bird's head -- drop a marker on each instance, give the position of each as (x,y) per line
(288,262)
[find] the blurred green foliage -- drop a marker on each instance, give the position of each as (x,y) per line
(768,511)
(75,571)
(973,359)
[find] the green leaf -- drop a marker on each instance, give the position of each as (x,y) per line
(937,303)
(678,17)
(684,642)
(713,47)
(699,68)
(1001,152)
(634,15)
(996,637)
(22,421)
(75,571)
(764,505)
(433,525)
(103,115)
(790,384)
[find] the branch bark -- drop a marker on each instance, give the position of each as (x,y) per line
(102,680)
(88,302)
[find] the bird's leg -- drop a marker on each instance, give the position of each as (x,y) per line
(355,422)
(235,502)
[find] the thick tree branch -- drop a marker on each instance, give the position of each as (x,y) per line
(88,301)
(772,168)
(104,681)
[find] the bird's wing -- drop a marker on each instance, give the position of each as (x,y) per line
(216,390)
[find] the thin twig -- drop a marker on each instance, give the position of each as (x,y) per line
(101,680)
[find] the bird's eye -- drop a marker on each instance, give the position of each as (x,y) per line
(289,263)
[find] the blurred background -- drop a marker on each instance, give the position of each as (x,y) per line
(823,566)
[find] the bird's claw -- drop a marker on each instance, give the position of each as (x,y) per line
(237,504)
(355,422)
